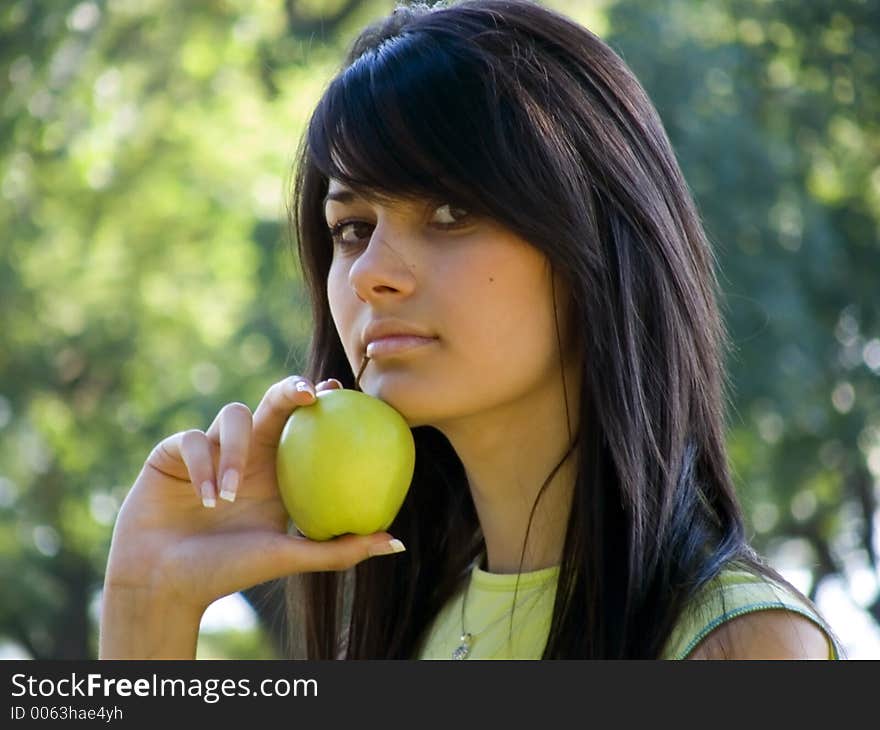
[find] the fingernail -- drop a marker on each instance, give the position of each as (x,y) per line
(208,495)
(338,383)
(387,548)
(229,485)
(303,387)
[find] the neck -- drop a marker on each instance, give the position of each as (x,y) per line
(507,460)
(513,545)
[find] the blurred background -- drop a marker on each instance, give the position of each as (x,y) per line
(146,276)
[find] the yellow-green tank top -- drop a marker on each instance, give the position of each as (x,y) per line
(489,598)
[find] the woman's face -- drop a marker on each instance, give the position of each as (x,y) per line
(481,291)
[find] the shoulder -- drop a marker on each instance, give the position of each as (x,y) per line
(767,634)
(741,614)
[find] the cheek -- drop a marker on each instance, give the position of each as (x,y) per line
(506,341)
(503,326)
(334,297)
(342,303)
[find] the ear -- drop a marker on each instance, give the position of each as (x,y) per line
(767,634)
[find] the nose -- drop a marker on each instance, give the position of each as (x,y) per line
(382,269)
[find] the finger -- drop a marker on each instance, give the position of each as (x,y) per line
(197,454)
(231,429)
(271,557)
(166,459)
(340,553)
(275,408)
(330,384)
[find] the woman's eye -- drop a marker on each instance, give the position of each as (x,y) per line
(349,233)
(455,215)
(338,231)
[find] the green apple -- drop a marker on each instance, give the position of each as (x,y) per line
(344,464)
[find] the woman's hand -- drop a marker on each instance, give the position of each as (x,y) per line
(175,540)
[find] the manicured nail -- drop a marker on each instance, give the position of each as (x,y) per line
(303,387)
(229,485)
(338,383)
(208,495)
(387,548)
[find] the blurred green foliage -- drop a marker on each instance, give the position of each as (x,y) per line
(773,109)
(146,276)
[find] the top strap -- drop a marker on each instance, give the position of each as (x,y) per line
(735,593)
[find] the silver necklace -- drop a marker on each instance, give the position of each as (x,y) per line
(467,638)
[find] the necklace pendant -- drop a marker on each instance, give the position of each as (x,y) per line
(464,648)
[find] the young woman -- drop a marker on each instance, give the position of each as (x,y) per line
(487,176)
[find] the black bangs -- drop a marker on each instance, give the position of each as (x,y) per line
(412,119)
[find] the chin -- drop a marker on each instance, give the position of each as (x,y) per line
(407,398)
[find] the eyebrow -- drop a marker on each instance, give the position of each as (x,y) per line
(341,196)
(347,196)
(344,195)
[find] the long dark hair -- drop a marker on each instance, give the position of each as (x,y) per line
(516,112)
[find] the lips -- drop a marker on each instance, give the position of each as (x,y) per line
(396,344)
(379,329)
(385,337)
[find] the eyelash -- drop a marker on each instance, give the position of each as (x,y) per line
(337,228)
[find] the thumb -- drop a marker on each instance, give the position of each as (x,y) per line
(289,554)
(262,559)
(304,555)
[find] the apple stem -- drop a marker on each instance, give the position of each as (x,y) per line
(357,380)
